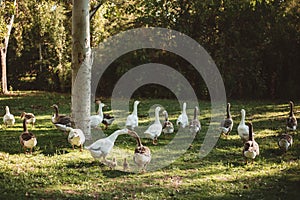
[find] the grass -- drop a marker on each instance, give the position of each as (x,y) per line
(55,171)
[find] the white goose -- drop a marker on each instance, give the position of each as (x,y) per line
(8,119)
(132,119)
(102,147)
(251,147)
(75,137)
(182,119)
(168,126)
(155,129)
(96,120)
(195,125)
(243,129)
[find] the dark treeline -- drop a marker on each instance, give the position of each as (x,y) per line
(255,44)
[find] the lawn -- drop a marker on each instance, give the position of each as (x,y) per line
(55,171)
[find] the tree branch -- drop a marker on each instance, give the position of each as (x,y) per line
(95,9)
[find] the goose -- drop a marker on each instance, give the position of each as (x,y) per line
(182,119)
(227,123)
(96,120)
(195,125)
(112,163)
(59,119)
(29,117)
(291,124)
(75,137)
(142,154)
(155,129)
(251,147)
(107,120)
(27,139)
(132,119)
(285,142)
(8,119)
(243,129)
(102,147)
(168,126)
(125,165)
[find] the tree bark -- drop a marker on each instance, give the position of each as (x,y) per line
(81,66)
(3,52)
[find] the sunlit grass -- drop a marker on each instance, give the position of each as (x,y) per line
(55,171)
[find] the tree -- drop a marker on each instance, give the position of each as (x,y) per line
(7,21)
(81,66)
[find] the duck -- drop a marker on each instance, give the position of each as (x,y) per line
(285,142)
(125,165)
(8,119)
(96,120)
(155,129)
(102,147)
(107,120)
(27,139)
(29,117)
(75,137)
(227,123)
(195,125)
(251,147)
(142,154)
(168,126)
(59,119)
(182,119)
(291,123)
(243,129)
(132,120)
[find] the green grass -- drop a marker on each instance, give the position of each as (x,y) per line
(55,171)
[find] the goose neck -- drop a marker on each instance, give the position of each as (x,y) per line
(157,116)
(25,126)
(291,108)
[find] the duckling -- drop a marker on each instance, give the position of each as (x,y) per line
(29,117)
(182,119)
(195,125)
(285,142)
(59,118)
(102,147)
(251,147)
(227,123)
(95,120)
(112,164)
(75,137)
(168,126)
(125,165)
(8,119)
(132,120)
(291,123)
(27,139)
(243,129)
(142,154)
(107,120)
(154,130)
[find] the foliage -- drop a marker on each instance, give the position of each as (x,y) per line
(55,171)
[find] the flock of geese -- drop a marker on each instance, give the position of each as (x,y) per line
(142,154)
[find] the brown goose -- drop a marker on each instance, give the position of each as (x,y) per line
(227,123)
(27,139)
(285,142)
(30,118)
(168,126)
(59,120)
(251,147)
(195,125)
(291,123)
(142,154)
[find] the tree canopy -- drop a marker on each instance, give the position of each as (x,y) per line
(255,43)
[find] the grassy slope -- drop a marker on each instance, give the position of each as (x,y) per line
(55,171)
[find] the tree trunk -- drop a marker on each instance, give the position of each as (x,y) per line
(3,52)
(81,66)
